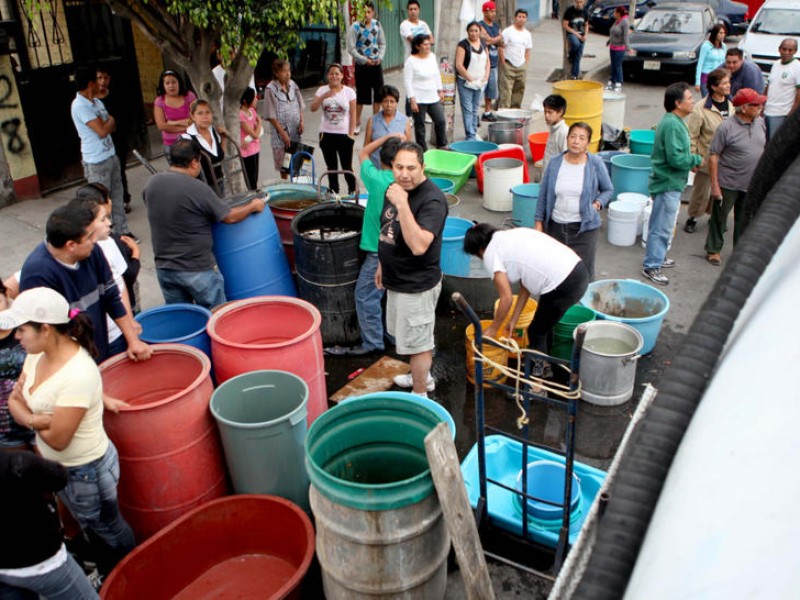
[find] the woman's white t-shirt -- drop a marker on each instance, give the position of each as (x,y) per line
(531,257)
(336,110)
(422,79)
(569,185)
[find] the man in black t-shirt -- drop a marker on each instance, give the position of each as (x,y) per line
(181,210)
(576,24)
(409,248)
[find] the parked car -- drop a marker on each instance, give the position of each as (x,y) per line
(601,17)
(731,14)
(775,20)
(668,38)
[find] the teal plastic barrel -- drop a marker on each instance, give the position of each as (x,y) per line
(562,331)
(380,530)
(454,261)
(176,324)
(607,155)
(630,173)
(642,140)
(261,417)
(525,198)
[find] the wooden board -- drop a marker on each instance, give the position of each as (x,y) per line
(375,378)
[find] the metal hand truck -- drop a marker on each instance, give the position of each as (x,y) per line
(528,388)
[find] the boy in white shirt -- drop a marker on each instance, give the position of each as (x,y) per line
(412,26)
(514,55)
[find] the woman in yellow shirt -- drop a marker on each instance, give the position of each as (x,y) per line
(60,397)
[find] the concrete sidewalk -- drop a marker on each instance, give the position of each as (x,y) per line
(22,224)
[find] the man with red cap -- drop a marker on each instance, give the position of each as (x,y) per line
(493,38)
(735,151)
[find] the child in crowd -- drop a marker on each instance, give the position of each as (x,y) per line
(203,132)
(554,108)
(250,134)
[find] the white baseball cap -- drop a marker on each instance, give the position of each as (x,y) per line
(38,305)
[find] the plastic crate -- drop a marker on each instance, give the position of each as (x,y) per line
(454,166)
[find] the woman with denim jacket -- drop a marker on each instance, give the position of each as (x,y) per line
(574,190)
(59,396)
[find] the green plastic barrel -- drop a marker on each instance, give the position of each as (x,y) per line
(261,417)
(380,529)
(562,332)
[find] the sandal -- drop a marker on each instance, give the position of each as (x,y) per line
(714,259)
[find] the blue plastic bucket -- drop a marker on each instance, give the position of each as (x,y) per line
(607,155)
(251,258)
(440,410)
(525,197)
(642,140)
(454,260)
(474,147)
(176,324)
(546,482)
(443,184)
(637,304)
(630,173)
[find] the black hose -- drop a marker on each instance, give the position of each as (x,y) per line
(646,462)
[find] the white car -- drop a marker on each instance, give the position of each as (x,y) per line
(774,21)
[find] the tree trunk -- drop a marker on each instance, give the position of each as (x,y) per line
(505,12)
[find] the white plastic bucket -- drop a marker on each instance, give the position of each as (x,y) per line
(623,219)
(646,225)
(639,199)
(500,175)
(614,109)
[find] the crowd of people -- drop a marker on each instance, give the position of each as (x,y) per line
(71,305)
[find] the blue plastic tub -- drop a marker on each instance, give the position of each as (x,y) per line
(607,155)
(443,184)
(503,463)
(454,260)
(641,306)
(176,324)
(525,198)
(630,173)
(642,141)
(474,147)
(440,410)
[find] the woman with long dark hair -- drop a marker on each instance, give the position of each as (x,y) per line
(712,56)
(171,108)
(59,396)
(424,90)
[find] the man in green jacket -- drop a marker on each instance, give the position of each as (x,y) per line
(672,160)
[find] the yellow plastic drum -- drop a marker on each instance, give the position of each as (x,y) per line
(492,353)
(584,103)
(520,333)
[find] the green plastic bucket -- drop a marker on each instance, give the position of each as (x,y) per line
(562,332)
(261,417)
(380,529)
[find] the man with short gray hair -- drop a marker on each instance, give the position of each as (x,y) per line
(783,90)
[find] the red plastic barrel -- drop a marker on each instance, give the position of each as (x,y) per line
(170,455)
(271,332)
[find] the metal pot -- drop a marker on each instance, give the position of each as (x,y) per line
(507,132)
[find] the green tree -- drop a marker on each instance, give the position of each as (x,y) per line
(188,31)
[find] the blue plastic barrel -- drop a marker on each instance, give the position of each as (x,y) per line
(525,198)
(642,140)
(630,173)
(176,324)
(454,260)
(637,304)
(474,147)
(443,184)
(251,258)
(607,155)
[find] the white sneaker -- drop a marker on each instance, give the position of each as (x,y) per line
(357,130)
(610,86)
(618,87)
(478,138)
(405,381)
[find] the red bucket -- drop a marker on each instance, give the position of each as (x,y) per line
(538,142)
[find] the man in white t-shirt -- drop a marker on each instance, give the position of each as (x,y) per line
(412,26)
(783,90)
(514,55)
(545,269)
